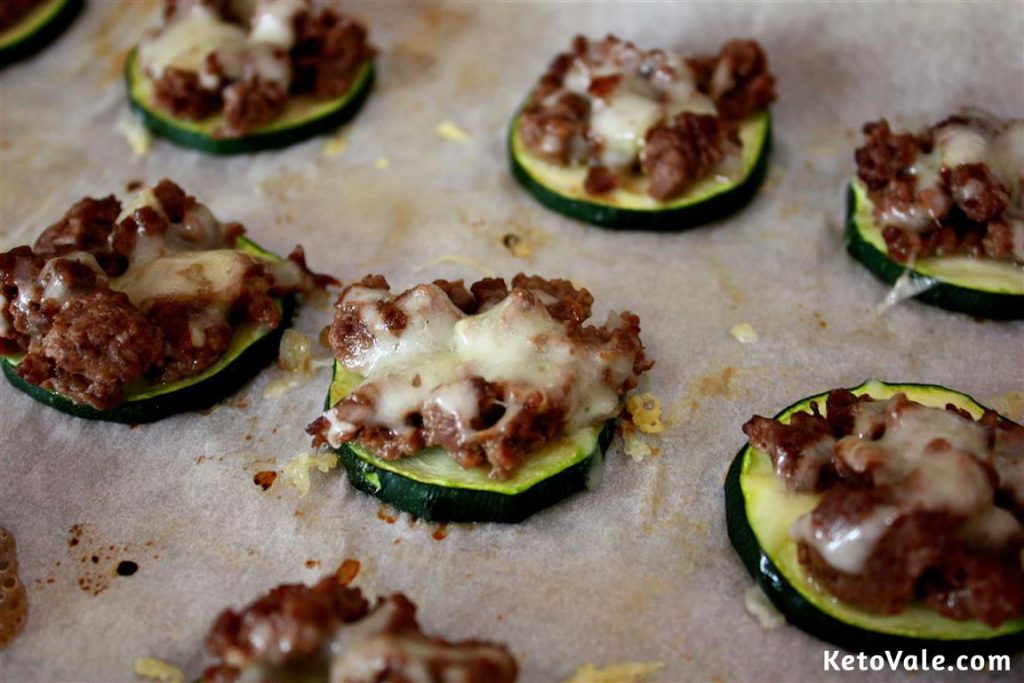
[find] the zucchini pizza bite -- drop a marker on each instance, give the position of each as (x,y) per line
(27,26)
(131,313)
(330,633)
(236,76)
(478,405)
(886,516)
(944,208)
(626,138)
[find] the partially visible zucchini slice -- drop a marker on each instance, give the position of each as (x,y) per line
(976,286)
(304,117)
(759,514)
(432,486)
(37,28)
(560,188)
(250,350)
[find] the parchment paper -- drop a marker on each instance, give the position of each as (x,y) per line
(640,570)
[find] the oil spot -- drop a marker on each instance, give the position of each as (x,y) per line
(312,564)
(718,384)
(440,533)
(386,514)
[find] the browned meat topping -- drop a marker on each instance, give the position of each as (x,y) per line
(491,374)
(952,190)
(680,151)
(245,60)
(622,111)
(153,292)
(918,504)
(329,627)
(11,11)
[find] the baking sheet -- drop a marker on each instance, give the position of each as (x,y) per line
(640,570)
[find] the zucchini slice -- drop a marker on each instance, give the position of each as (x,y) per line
(250,350)
(759,513)
(37,29)
(560,188)
(304,117)
(432,486)
(978,287)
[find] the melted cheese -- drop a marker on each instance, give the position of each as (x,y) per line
(185,44)
(652,87)
(933,460)
(432,362)
(216,276)
(366,650)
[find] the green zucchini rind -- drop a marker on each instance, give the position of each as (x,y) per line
(978,287)
(37,29)
(561,189)
(763,544)
(304,118)
(251,349)
(432,486)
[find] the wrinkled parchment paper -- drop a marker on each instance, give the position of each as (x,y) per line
(640,570)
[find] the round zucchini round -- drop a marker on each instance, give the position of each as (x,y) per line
(304,117)
(980,287)
(251,349)
(759,512)
(561,188)
(37,29)
(433,486)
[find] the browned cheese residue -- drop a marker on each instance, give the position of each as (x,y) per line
(13,600)
(440,533)
(347,571)
(264,479)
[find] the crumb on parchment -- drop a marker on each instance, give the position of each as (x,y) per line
(626,672)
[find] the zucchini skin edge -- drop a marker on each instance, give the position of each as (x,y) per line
(198,396)
(956,298)
(667,220)
(801,613)
(435,503)
(43,36)
(248,144)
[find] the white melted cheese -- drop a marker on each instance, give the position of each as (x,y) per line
(185,44)
(933,460)
(272,21)
(650,89)
(433,360)
(217,275)
(365,650)
(999,145)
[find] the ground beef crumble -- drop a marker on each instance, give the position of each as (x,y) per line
(932,199)
(329,625)
(557,123)
(924,553)
(81,336)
